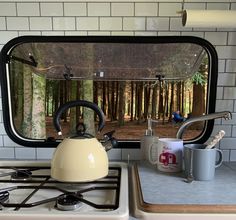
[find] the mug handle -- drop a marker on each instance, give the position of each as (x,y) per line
(219,162)
(149,155)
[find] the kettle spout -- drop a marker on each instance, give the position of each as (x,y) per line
(109,141)
(225,114)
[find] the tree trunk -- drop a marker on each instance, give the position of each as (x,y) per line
(161,107)
(38,110)
(121,108)
(73,94)
(171,100)
(154,102)
(140,101)
(26,126)
(132,101)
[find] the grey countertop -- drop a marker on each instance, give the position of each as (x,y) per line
(170,188)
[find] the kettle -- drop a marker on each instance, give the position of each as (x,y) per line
(80,158)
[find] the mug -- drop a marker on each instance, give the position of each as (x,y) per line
(145,143)
(169,154)
(201,162)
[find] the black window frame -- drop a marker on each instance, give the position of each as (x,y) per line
(8,47)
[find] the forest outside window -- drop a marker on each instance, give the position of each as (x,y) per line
(129,78)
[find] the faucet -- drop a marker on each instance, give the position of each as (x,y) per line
(225,114)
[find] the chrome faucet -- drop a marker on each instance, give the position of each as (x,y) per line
(225,114)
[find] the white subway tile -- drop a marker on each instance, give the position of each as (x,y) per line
(99,33)
(221,66)
(25,153)
(231,65)
(2,129)
(99,9)
(1,141)
(76,33)
(131,154)
(53,33)
(226,128)
(228,143)
(63,23)
(145,33)
(232,38)
(195,6)
(176,24)
(233,6)
(17,23)
(226,52)
(40,23)
(7,9)
(232,155)
(234,131)
(226,155)
(51,9)
(8,142)
(224,105)
(216,38)
(7,153)
(75,9)
(134,23)
(5,36)
(113,23)
(157,24)
(122,33)
(146,9)
(226,79)
(2,23)
(114,154)
(234,105)
(169,33)
(219,93)
(218,6)
(44,153)
(28,9)
(214,1)
(87,23)
(122,9)
(1,120)
(169,9)
(230,92)
(36,33)
(195,34)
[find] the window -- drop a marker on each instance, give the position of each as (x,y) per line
(129,78)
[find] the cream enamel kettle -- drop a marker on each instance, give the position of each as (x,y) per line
(80,158)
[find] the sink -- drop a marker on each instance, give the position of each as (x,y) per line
(148,202)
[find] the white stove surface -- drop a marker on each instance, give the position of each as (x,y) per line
(48,210)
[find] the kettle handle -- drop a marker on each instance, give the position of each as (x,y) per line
(84,103)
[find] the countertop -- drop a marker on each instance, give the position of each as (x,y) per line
(171,188)
(156,193)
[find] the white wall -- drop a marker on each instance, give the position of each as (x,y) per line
(126,17)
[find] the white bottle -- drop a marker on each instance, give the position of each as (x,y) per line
(147,140)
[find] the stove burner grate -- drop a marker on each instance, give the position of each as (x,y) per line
(4,197)
(23,175)
(68,202)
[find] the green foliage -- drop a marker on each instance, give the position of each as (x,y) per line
(199,78)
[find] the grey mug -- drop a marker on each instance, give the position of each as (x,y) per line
(201,162)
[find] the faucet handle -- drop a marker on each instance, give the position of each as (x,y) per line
(228,116)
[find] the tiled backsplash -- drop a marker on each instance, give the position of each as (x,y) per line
(126,17)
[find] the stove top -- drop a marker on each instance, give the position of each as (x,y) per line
(28,191)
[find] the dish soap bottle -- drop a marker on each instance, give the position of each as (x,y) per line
(147,140)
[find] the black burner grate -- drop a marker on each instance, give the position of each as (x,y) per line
(37,181)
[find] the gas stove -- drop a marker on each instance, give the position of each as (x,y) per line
(27,191)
